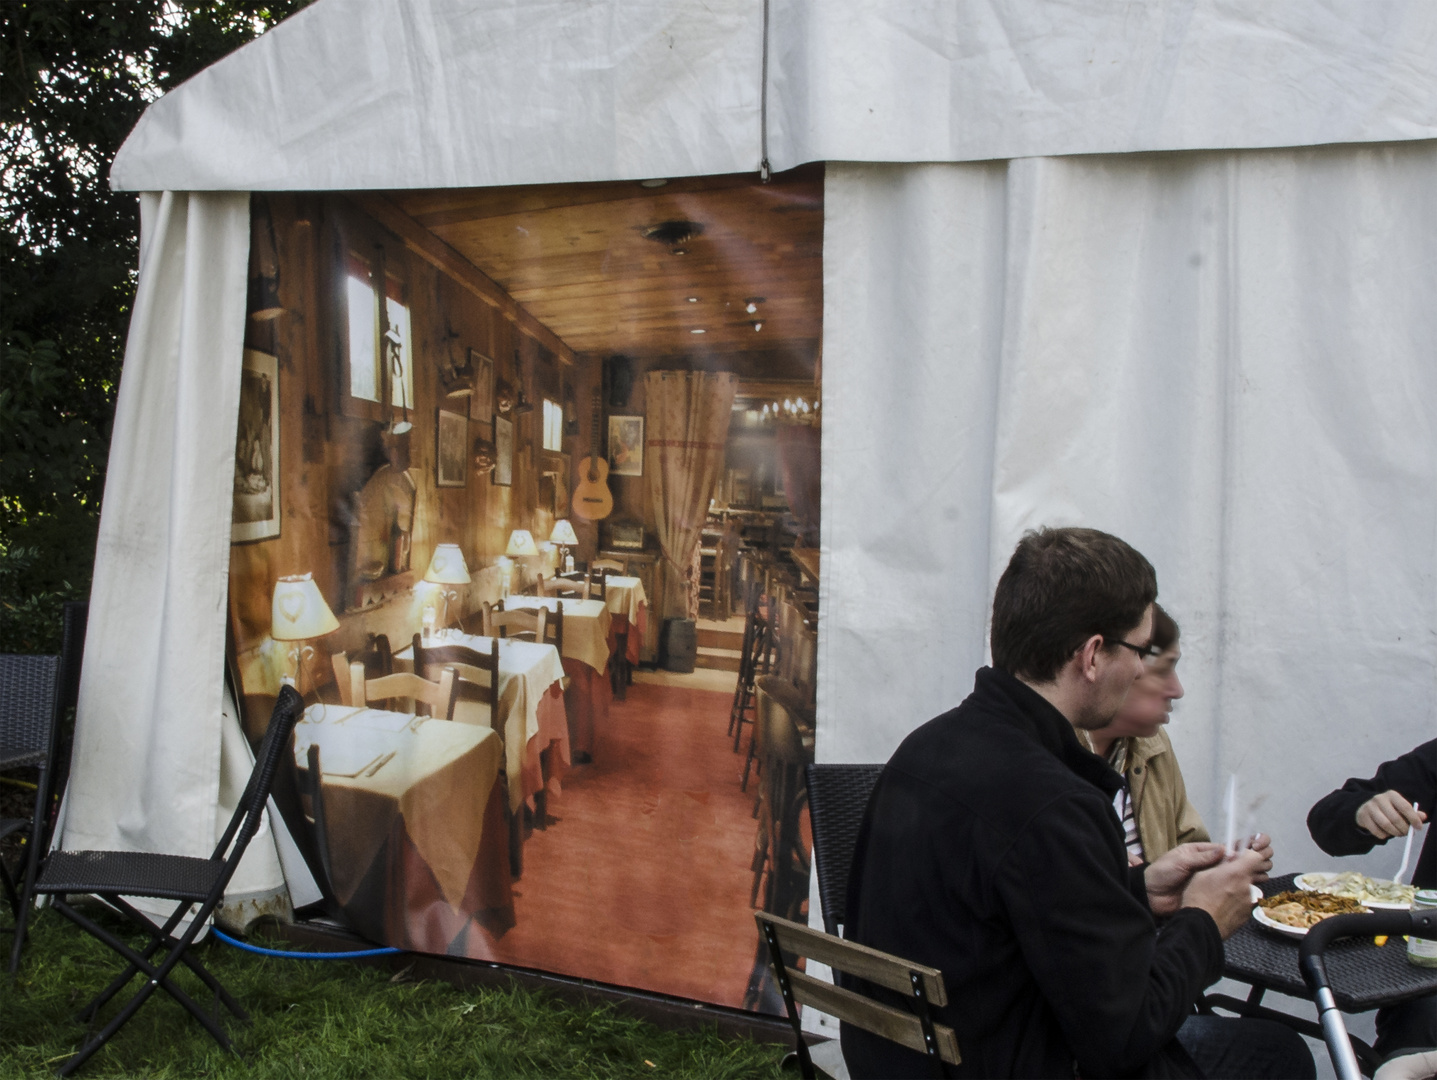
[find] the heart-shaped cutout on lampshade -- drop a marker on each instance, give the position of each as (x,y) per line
(298,611)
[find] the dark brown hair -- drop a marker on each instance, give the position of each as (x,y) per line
(1061,587)
(1165,629)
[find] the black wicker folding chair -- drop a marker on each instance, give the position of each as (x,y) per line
(837,797)
(30,693)
(197,884)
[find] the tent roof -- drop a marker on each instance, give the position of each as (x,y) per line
(471,93)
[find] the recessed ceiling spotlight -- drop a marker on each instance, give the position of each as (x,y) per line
(693,299)
(655,182)
(698,330)
(680,251)
(758,324)
(751,304)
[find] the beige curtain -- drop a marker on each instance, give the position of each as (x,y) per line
(686,417)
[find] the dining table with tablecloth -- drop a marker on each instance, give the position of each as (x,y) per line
(628,604)
(531,713)
(415,841)
(588,644)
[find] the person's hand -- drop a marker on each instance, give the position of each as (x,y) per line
(1168,875)
(1262,844)
(1388,815)
(1225,890)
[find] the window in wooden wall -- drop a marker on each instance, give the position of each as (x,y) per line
(553,425)
(370,384)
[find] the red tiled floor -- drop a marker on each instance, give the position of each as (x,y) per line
(643,880)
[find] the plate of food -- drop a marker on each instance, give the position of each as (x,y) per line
(1373,892)
(1293,912)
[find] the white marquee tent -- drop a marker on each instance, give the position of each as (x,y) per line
(1163,269)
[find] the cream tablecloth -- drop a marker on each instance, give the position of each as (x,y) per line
(586,626)
(379,766)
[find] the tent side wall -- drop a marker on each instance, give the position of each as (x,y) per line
(1223,358)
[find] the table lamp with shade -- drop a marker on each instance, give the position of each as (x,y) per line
(447,567)
(564,536)
(299,614)
(521,543)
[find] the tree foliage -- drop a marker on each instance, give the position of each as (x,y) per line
(74,77)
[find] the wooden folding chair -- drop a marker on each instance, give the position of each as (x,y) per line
(114,875)
(403,685)
(915,1030)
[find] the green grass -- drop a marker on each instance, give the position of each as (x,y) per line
(336,1019)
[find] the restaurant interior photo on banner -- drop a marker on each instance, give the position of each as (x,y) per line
(526,506)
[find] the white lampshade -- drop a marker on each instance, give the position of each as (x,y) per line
(447,566)
(564,533)
(299,611)
(521,543)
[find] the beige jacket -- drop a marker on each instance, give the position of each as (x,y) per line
(1164,815)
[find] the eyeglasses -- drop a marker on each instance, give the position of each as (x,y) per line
(1147,652)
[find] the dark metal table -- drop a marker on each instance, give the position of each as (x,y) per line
(1364,975)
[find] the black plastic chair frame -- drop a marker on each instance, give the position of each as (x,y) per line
(114,875)
(32,689)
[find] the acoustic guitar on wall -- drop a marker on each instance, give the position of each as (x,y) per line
(592,498)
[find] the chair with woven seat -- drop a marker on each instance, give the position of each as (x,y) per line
(30,704)
(114,875)
(837,799)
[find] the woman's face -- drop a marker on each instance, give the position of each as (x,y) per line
(1151,699)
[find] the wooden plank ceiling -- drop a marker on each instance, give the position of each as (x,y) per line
(577,258)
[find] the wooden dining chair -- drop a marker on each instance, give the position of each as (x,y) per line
(438,697)
(559,586)
(554,628)
(608,566)
(596,585)
(476,688)
(521,623)
(376,658)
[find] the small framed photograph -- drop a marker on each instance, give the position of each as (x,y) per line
(626,445)
(482,400)
(452,458)
(256,494)
(503,451)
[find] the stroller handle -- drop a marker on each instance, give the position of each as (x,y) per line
(1314,970)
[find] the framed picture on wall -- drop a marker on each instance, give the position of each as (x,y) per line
(503,450)
(452,456)
(483,398)
(256,494)
(626,445)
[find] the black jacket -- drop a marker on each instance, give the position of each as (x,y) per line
(991,851)
(1333,821)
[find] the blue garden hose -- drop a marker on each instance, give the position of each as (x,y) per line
(287,955)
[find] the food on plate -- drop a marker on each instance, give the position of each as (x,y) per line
(1359,887)
(1303,909)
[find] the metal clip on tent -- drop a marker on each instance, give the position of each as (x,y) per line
(1314,971)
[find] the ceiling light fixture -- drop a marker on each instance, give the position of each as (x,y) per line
(757,325)
(655,182)
(698,330)
(751,304)
(693,299)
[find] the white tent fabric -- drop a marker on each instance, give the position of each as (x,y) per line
(1225,358)
(466,93)
(146,770)
(1220,356)
(852,80)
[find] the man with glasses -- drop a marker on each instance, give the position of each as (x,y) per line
(990,850)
